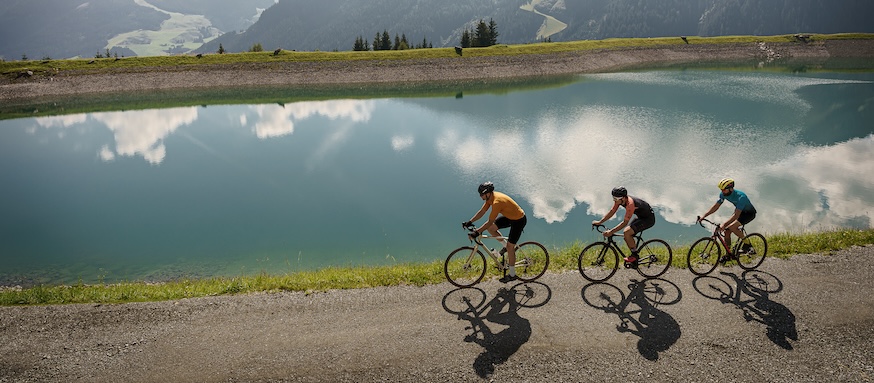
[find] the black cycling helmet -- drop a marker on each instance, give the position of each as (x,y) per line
(485,187)
(619,191)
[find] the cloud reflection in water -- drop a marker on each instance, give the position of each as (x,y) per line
(575,160)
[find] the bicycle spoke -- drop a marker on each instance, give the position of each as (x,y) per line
(751,251)
(703,256)
(655,258)
(598,262)
(532,259)
(465,267)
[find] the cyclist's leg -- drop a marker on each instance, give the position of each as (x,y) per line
(637,225)
(516,228)
(744,218)
(501,223)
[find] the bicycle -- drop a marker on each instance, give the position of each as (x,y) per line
(600,260)
(706,252)
(467,265)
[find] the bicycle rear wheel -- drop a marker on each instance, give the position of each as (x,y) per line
(598,262)
(703,256)
(752,256)
(654,258)
(532,259)
(465,266)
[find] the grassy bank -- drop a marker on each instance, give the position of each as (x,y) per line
(50,67)
(561,260)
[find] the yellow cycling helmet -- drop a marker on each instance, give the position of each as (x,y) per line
(725,183)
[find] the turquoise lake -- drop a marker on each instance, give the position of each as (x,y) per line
(278,187)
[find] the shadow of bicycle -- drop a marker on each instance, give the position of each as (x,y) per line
(752,295)
(503,309)
(657,330)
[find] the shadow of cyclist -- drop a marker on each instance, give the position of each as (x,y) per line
(657,330)
(780,321)
(758,286)
(503,310)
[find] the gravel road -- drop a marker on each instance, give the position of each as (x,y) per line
(809,319)
(23,90)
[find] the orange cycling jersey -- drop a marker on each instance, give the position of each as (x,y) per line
(503,204)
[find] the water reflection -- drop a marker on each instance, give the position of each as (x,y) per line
(252,187)
(673,155)
(136,133)
(278,120)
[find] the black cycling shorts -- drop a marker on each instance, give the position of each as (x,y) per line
(746,216)
(640,224)
(516,227)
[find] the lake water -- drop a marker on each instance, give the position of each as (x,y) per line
(281,186)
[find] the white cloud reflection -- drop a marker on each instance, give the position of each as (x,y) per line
(142,132)
(674,166)
(402,143)
(136,133)
(278,120)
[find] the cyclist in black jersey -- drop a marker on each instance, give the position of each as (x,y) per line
(645,218)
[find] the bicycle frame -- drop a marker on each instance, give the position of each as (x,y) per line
(638,239)
(499,263)
(720,236)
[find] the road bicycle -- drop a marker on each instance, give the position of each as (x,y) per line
(467,265)
(706,253)
(600,260)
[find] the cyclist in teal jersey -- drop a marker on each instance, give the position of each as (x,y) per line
(744,212)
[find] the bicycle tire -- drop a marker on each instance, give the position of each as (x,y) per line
(465,267)
(703,256)
(598,262)
(532,259)
(751,259)
(654,258)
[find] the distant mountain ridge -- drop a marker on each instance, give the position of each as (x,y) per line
(334,24)
(66,28)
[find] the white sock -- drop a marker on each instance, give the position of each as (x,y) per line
(513,271)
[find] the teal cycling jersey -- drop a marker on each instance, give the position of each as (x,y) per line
(739,199)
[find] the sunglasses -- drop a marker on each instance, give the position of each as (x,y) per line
(617,198)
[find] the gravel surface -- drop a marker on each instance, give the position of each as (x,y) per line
(462,68)
(809,319)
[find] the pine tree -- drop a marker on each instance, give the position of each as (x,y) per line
(377,42)
(481,37)
(493,32)
(385,43)
(465,39)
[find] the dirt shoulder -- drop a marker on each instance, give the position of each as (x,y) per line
(803,320)
(460,68)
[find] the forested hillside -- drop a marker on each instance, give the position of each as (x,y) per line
(39,29)
(335,24)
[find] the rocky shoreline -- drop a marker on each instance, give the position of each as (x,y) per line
(462,68)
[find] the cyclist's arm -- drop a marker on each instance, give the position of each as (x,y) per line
(712,210)
(629,212)
(482,211)
(607,216)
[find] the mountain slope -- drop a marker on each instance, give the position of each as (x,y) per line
(334,24)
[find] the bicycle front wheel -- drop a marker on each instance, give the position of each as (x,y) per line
(654,257)
(531,261)
(598,262)
(751,251)
(703,256)
(465,266)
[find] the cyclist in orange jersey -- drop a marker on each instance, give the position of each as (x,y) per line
(511,215)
